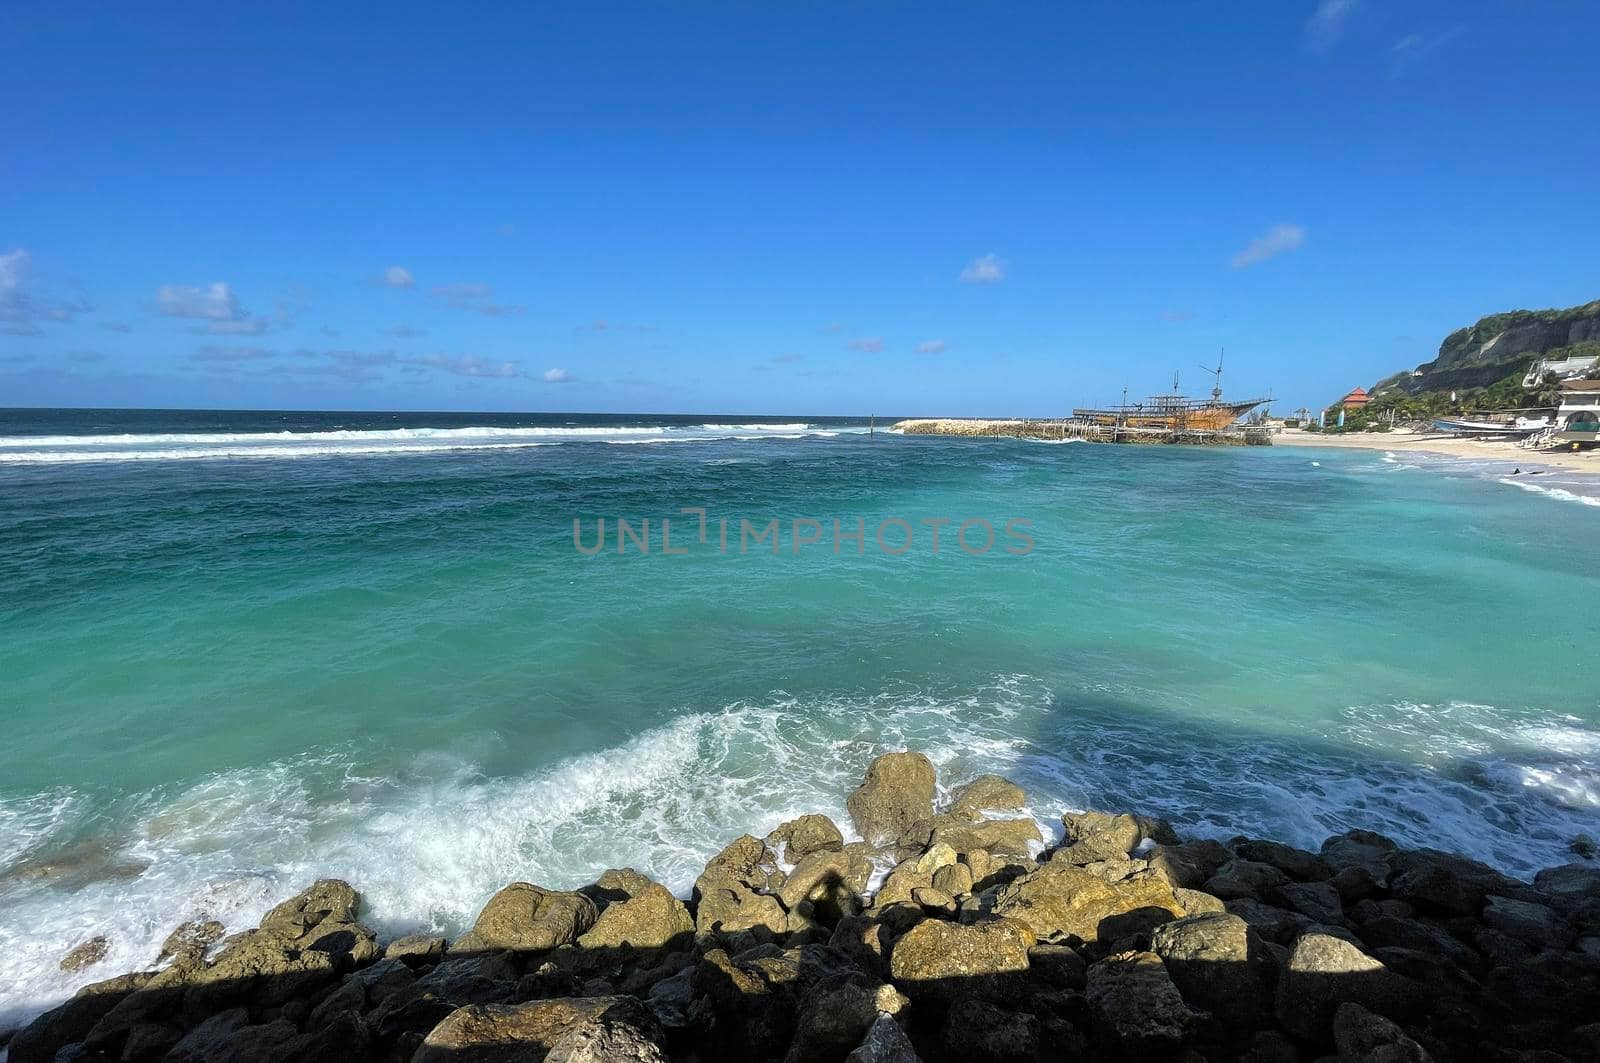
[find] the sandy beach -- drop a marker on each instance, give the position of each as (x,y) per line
(1584,461)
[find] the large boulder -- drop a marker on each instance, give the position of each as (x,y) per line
(986,793)
(1532,924)
(1219,965)
(1135,1010)
(1324,971)
(979,1031)
(326,901)
(1061,901)
(71,1021)
(648,919)
(621,1035)
(999,837)
(510,1033)
(1364,1037)
(731,895)
(830,879)
(528,918)
(87,954)
(1296,863)
(1095,836)
(1189,864)
(897,792)
(1446,882)
(944,958)
(885,1042)
(1360,862)
(799,838)
(836,1013)
(1240,878)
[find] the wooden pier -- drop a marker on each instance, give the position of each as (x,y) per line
(1065,429)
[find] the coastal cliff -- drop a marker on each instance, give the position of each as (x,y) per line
(954,929)
(1502,345)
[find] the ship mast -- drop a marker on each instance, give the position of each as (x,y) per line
(1216,387)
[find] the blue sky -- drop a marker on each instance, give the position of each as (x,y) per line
(879,208)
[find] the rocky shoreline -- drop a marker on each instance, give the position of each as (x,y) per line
(1123,942)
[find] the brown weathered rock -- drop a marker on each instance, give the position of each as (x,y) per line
(999,837)
(799,838)
(651,918)
(835,1015)
(954,879)
(86,954)
(1318,901)
(1446,882)
(986,793)
(326,901)
(898,886)
(526,918)
(228,1037)
(935,902)
(1059,900)
(936,954)
(1219,965)
(1197,902)
(1095,836)
(1240,878)
(510,1033)
(885,1042)
(416,948)
(1364,1037)
(611,1038)
(1056,965)
(1136,1010)
(1190,864)
(978,1030)
(194,936)
(826,877)
(729,895)
(1360,862)
(71,1021)
(1296,863)
(1569,884)
(897,792)
(1325,971)
(1532,924)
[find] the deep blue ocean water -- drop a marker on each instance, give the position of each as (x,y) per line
(242,650)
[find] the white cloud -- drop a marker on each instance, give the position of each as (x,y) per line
(988,269)
(931,347)
(1177,315)
(475,297)
(212,353)
(867,344)
(1415,47)
(215,302)
(1327,23)
(398,277)
(20,312)
(557,376)
(1278,240)
(403,332)
(465,365)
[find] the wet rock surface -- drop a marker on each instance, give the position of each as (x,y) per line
(980,943)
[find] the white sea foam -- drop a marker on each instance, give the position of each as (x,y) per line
(429,843)
(57,450)
(1559,493)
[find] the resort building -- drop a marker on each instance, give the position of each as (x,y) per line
(1579,417)
(1355,400)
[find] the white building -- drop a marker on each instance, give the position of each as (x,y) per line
(1579,416)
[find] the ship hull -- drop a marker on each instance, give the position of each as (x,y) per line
(1199,418)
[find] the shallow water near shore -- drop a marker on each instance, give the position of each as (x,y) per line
(241,651)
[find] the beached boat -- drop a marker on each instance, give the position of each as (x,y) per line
(1491,426)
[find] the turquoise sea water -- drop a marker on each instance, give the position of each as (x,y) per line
(238,651)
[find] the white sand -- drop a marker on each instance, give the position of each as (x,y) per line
(1430,443)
